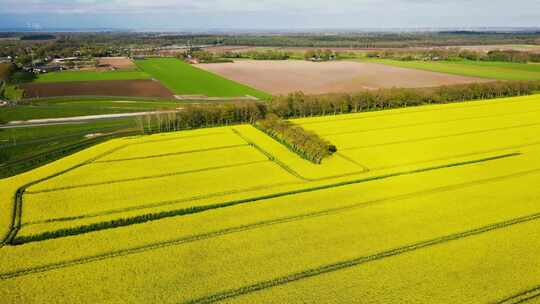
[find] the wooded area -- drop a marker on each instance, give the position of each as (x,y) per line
(305,143)
(301,105)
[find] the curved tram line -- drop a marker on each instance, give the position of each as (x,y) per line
(261,224)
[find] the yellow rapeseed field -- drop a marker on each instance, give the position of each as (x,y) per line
(435,200)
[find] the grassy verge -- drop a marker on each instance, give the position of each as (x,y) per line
(22,149)
(491,70)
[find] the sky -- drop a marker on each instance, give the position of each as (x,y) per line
(267,14)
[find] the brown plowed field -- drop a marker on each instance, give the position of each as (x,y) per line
(128,88)
(120,63)
(282,77)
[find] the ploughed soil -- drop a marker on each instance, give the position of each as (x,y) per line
(282,77)
(120,63)
(128,88)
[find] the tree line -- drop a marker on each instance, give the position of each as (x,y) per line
(321,55)
(268,116)
(455,54)
(258,55)
(203,56)
(305,143)
(301,105)
(195,116)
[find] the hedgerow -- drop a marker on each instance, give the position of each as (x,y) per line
(304,143)
(301,105)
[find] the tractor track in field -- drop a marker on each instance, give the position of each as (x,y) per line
(261,224)
(125,180)
(397,142)
(522,297)
(293,172)
(16,222)
(270,156)
(477,103)
(178,138)
(159,204)
(139,219)
(500,149)
(329,268)
(172,154)
(425,123)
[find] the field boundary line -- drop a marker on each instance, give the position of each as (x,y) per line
(270,156)
(426,123)
(18,197)
(329,268)
(160,204)
(463,104)
(256,225)
(441,137)
(345,157)
(146,177)
(522,297)
(291,170)
(501,149)
(176,138)
(197,209)
(171,154)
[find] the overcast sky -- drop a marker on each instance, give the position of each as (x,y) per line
(267,14)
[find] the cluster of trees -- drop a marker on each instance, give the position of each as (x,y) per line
(38,37)
(321,55)
(203,57)
(259,55)
(25,51)
(267,116)
(10,76)
(513,56)
(194,116)
(454,54)
(300,105)
(305,143)
(373,39)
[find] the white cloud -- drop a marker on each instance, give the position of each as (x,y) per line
(274,13)
(145,6)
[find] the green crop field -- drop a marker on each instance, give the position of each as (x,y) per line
(67,107)
(430,204)
(492,70)
(185,79)
(91,76)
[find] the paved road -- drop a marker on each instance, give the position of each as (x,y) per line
(73,119)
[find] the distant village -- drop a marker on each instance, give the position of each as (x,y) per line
(80,61)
